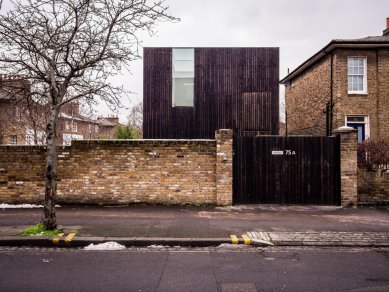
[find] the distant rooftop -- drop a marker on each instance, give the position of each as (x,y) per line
(104,122)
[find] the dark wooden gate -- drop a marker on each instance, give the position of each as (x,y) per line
(286,170)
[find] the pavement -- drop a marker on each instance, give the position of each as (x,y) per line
(145,225)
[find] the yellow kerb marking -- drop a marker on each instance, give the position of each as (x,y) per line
(56,239)
(234,239)
(246,239)
(69,237)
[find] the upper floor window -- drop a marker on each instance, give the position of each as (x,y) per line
(67,126)
(183,76)
(357,81)
(14,140)
(17,114)
(74,126)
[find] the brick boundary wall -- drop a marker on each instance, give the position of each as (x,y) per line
(115,172)
(224,170)
(373,187)
(120,172)
(358,186)
(348,166)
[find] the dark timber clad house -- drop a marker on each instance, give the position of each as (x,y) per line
(191,92)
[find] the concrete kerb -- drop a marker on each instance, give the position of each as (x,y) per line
(79,242)
(38,241)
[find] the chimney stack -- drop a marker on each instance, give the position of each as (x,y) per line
(386,31)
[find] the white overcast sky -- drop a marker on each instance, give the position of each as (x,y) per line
(299,28)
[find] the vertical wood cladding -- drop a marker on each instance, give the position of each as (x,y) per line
(235,88)
(306,172)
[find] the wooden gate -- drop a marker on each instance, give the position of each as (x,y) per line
(286,170)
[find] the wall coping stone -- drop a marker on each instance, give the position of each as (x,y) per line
(345,129)
(141,142)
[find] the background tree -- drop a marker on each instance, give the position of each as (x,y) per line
(125,132)
(135,119)
(68,50)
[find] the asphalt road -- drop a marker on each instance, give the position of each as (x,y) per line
(206,269)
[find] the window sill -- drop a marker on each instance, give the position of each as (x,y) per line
(353,93)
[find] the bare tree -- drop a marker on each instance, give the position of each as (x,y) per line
(69,49)
(135,118)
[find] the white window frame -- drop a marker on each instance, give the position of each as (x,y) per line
(177,75)
(74,126)
(17,114)
(67,138)
(14,140)
(366,122)
(30,137)
(364,91)
(96,128)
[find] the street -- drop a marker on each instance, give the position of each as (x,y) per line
(226,268)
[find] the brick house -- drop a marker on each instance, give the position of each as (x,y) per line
(345,83)
(107,127)
(74,126)
(23,121)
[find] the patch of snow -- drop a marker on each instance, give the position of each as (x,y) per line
(229,245)
(110,245)
(156,246)
(22,206)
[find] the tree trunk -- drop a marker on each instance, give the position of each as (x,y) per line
(49,221)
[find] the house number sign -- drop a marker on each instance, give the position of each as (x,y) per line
(281,152)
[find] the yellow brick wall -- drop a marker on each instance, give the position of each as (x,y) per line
(306,97)
(122,172)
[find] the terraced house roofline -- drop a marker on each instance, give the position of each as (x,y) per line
(371,42)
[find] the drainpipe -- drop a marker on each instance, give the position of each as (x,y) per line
(378,91)
(331,97)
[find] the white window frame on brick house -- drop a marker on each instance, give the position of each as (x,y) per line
(17,114)
(67,138)
(14,140)
(74,126)
(354,73)
(41,137)
(366,121)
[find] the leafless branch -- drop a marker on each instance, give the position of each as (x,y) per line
(68,50)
